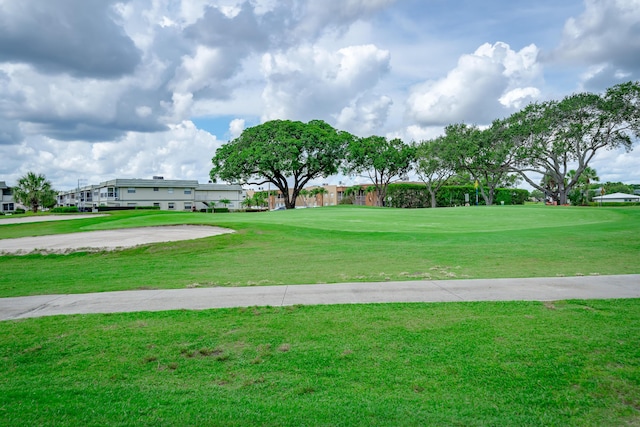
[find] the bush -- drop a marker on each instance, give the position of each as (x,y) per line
(147,208)
(220,210)
(65,209)
(19,211)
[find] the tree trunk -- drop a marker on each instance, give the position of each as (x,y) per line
(433,198)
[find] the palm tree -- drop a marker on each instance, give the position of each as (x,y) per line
(304,193)
(34,190)
(587,176)
(321,191)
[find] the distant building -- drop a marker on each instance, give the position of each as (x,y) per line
(7,203)
(617,198)
(178,195)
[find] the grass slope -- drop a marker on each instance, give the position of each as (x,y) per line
(338,244)
(571,363)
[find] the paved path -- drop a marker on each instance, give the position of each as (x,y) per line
(536,289)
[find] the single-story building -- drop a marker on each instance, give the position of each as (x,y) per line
(617,198)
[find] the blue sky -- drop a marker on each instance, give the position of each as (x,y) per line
(132,89)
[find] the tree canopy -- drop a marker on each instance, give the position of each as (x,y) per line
(554,136)
(381,159)
(285,153)
(34,191)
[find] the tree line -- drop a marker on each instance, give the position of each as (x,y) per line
(554,139)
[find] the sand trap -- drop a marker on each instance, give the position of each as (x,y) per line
(107,239)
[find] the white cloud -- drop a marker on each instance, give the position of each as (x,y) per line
(606,38)
(365,116)
(236,126)
(182,152)
(479,89)
(309,82)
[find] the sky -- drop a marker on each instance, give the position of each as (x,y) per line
(92,90)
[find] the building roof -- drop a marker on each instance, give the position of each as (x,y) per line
(617,196)
(137,182)
(218,187)
(3,184)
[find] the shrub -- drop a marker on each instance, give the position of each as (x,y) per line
(147,208)
(65,209)
(19,211)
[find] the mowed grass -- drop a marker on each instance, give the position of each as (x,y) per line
(339,244)
(574,363)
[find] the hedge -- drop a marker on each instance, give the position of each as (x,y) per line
(65,209)
(417,196)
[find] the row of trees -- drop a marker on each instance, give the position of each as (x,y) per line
(548,138)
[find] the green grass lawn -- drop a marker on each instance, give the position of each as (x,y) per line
(339,244)
(574,363)
(566,363)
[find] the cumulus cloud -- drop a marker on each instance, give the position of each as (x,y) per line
(605,37)
(484,86)
(236,126)
(66,36)
(365,116)
(182,152)
(310,82)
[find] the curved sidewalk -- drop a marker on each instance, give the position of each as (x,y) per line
(534,289)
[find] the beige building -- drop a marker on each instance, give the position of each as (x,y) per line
(178,195)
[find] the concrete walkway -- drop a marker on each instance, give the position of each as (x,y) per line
(536,289)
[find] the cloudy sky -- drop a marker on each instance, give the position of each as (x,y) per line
(92,90)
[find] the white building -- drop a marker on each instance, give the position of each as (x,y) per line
(617,198)
(6,198)
(178,195)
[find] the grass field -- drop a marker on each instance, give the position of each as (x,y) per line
(571,363)
(341,244)
(566,363)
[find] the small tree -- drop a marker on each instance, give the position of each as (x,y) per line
(381,159)
(435,164)
(34,191)
(225,202)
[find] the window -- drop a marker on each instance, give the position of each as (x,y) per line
(156,189)
(110,192)
(131,204)
(156,205)
(187,206)
(187,191)
(131,190)
(170,190)
(7,206)
(172,205)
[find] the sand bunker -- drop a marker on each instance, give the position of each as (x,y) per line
(107,239)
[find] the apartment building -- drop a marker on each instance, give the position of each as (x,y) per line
(165,194)
(7,203)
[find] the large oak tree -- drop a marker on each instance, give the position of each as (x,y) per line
(286,153)
(558,136)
